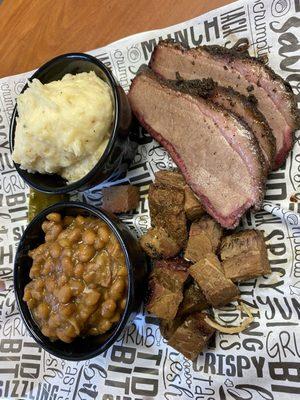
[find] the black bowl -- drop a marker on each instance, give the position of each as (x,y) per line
(120,148)
(91,346)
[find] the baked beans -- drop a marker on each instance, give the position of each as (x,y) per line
(79,278)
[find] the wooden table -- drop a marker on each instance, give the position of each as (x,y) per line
(33,31)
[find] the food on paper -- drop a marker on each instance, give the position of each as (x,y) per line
(193,300)
(78,277)
(244,255)
(166,206)
(157,243)
(192,336)
(210,277)
(204,238)
(182,290)
(120,199)
(63,126)
(247,75)
(222,166)
(243,107)
(165,287)
(192,207)
(170,178)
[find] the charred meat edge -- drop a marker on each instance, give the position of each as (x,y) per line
(207,88)
(253,141)
(292,117)
(232,54)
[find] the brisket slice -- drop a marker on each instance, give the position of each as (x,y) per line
(247,75)
(218,155)
(243,107)
(246,109)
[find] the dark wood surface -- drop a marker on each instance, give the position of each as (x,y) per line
(33,31)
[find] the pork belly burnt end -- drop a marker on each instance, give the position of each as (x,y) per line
(192,336)
(244,255)
(158,244)
(217,289)
(165,287)
(119,199)
(229,68)
(170,178)
(162,301)
(192,206)
(204,237)
(193,300)
(166,205)
(168,326)
(192,130)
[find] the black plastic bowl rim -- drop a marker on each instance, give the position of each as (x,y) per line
(31,325)
(84,180)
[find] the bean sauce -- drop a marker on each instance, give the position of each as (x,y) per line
(79,278)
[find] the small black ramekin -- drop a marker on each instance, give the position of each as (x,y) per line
(120,148)
(90,346)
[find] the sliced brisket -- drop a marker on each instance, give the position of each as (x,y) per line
(247,75)
(246,109)
(217,154)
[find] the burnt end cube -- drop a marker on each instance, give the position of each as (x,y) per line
(192,336)
(192,206)
(168,327)
(158,244)
(166,205)
(165,287)
(173,272)
(217,289)
(204,237)
(170,178)
(162,301)
(244,255)
(119,199)
(193,300)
